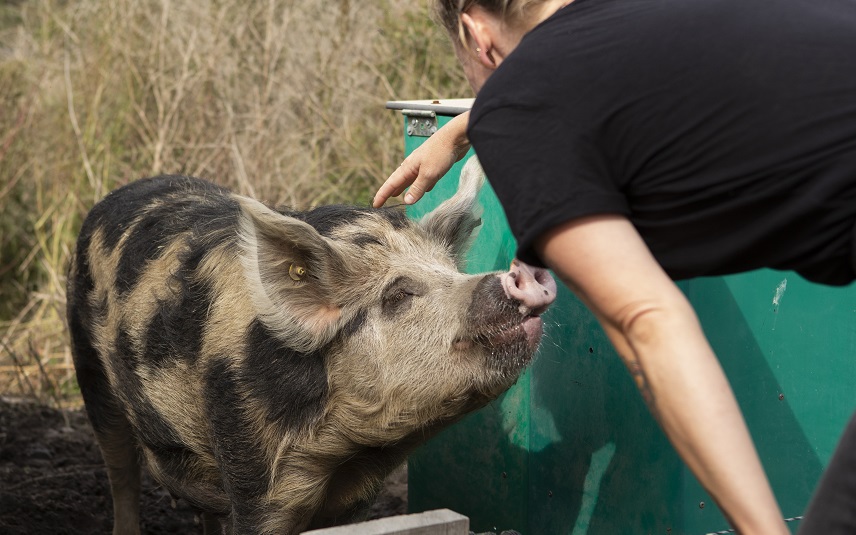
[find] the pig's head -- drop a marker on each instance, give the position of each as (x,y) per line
(408,340)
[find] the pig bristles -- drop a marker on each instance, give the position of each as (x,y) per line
(460,215)
(275,402)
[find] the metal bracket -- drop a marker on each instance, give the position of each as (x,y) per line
(420,123)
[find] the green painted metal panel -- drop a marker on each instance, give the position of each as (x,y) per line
(789,349)
(571,448)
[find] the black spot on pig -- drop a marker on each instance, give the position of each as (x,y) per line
(207,224)
(80,279)
(102,407)
(236,446)
(326,219)
(175,330)
(146,241)
(353,327)
(154,430)
(395,216)
(114,214)
(274,369)
(91,375)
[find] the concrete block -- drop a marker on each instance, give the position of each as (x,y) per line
(438,522)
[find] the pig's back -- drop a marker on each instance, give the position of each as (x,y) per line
(142,218)
(136,293)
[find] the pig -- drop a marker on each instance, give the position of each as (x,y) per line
(271,367)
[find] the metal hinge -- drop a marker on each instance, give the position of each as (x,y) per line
(420,123)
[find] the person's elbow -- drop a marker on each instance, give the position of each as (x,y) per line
(655,322)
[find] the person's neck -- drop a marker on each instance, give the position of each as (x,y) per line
(547,10)
(505,38)
(510,39)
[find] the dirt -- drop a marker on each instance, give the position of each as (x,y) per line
(52,479)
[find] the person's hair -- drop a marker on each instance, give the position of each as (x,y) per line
(512,12)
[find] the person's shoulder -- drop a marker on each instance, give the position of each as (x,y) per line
(573,36)
(548,60)
(530,70)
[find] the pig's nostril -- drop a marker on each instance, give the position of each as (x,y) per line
(533,288)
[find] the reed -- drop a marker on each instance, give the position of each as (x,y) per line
(281,100)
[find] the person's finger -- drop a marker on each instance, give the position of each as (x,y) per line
(386,191)
(395,184)
(414,193)
(424,183)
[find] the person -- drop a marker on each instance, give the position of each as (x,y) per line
(637,142)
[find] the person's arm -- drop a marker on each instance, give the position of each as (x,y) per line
(427,164)
(655,330)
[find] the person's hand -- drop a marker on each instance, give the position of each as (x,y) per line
(426,165)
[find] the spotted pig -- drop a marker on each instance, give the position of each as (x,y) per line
(272,367)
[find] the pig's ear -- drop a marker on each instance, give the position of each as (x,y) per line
(293,273)
(456,221)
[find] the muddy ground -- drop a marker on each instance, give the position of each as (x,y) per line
(52,479)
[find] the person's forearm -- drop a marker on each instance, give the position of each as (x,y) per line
(456,130)
(655,330)
(687,391)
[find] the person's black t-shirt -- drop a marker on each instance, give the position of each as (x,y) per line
(724,129)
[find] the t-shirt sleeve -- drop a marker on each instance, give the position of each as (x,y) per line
(545,170)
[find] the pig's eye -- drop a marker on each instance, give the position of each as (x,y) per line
(296,272)
(398,296)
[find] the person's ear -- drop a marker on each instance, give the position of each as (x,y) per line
(479,31)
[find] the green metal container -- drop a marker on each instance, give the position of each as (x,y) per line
(571,448)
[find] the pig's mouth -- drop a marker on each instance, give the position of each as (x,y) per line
(505,325)
(525,329)
(512,341)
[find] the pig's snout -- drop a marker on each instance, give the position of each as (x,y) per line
(533,287)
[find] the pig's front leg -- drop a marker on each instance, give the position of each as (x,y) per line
(285,506)
(211,524)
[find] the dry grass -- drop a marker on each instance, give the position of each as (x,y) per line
(279,100)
